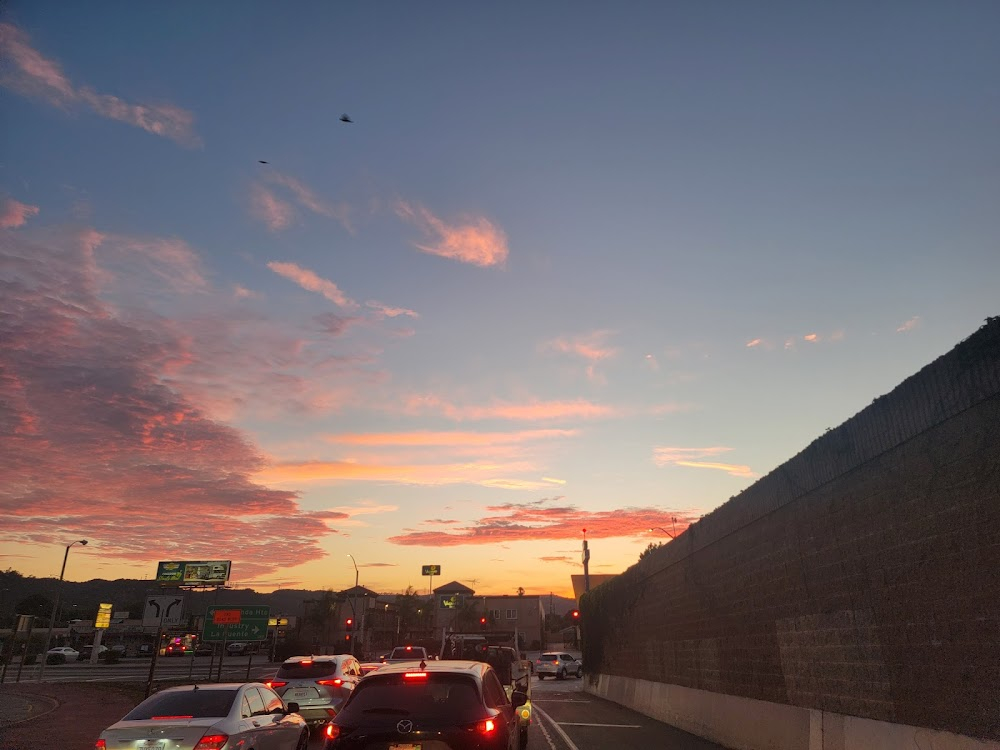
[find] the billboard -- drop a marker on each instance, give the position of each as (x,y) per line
(451,601)
(430,570)
(189,573)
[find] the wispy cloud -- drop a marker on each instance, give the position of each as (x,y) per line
(31,74)
(475,240)
(270,209)
(754,342)
(531,411)
(446,438)
(335,325)
(591,347)
(310,281)
(387,311)
(909,325)
(278,213)
(559,559)
(540,520)
(15,214)
(378,565)
(674,456)
(496,474)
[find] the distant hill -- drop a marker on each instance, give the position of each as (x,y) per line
(80,599)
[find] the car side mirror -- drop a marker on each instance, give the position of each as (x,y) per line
(518,698)
(293,707)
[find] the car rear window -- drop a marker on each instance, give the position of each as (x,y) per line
(548,657)
(302,670)
(198,704)
(437,696)
(408,653)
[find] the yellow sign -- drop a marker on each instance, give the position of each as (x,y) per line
(275,621)
(103,619)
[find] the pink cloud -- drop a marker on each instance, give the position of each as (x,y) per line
(102,438)
(909,325)
(309,200)
(755,342)
(477,241)
(32,74)
(386,311)
(674,456)
(533,521)
(496,474)
(447,438)
(309,281)
(15,214)
(811,337)
(590,346)
(270,209)
(529,411)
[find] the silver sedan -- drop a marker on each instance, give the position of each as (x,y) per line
(209,717)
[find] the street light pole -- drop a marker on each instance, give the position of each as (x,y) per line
(354,601)
(55,606)
(660,528)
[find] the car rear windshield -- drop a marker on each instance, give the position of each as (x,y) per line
(408,653)
(198,704)
(548,657)
(435,697)
(306,670)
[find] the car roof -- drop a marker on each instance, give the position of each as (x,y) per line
(317,657)
(208,686)
(474,669)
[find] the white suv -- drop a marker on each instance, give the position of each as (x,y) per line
(558,664)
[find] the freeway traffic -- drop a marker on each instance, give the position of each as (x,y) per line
(135,670)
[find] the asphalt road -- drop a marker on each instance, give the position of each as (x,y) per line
(567,718)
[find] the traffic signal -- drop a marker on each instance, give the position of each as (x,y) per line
(575,614)
(349,624)
(483,622)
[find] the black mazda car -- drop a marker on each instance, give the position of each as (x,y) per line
(436,705)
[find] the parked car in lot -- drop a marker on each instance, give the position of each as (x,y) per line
(459,705)
(86,651)
(320,685)
(119,648)
(558,664)
(238,649)
(61,655)
(203,649)
(209,717)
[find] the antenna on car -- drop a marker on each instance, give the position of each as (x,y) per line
(423,664)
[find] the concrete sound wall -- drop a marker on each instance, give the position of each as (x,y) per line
(859,580)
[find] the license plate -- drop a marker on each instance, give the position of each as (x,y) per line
(409,746)
(303,693)
(151,745)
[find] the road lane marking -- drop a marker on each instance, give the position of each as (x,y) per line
(555,726)
(558,700)
(585,724)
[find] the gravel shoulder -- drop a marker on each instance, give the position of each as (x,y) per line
(69,716)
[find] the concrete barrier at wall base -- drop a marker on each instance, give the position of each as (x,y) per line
(748,724)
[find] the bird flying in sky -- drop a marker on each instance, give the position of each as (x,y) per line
(345,118)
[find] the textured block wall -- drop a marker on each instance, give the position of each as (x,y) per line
(860,577)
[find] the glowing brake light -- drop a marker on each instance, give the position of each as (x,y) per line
(212,742)
(100,745)
(275,683)
(306,662)
(484,727)
(336,681)
(414,675)
(332,731)
(409,648)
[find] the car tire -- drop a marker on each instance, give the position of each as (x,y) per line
(579,672)
(562,674)
(522,738)
(541,676)
(303,743)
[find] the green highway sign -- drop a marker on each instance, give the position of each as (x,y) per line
(235,623)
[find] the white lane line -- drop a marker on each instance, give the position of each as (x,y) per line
(559,729)
(584,724)
(545,732)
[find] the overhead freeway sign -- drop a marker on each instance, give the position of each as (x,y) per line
(236,623)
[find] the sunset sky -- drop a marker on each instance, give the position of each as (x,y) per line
(573,265)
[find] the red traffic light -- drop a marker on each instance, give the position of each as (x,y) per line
(575,614)
(349,624)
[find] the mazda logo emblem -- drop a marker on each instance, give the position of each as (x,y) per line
(405,726)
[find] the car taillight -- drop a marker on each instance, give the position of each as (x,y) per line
(332,731)
(275,684)
(336,681)
(100,745)
(414,675)
(212,742)
(486,726)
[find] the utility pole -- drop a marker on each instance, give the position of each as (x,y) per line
(55,606)
(586,563)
